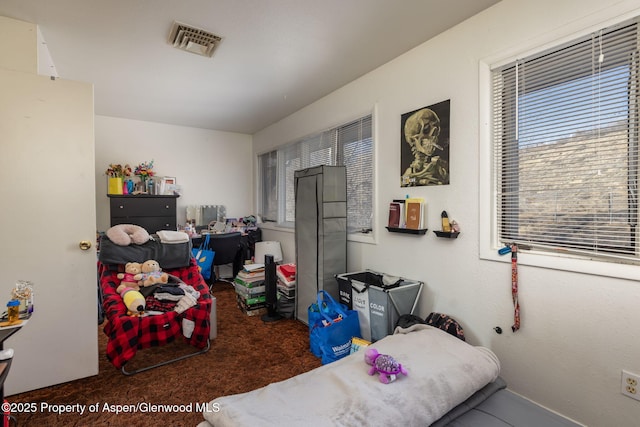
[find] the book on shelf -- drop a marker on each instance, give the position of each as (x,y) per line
(286,284)
(416,213)
(403,212)
(249,304)
(250,279)
(252,301)
(286,271)
(287,292)
(249,292)
(248,283)
(287,289)
(396,214)
(246,275)
(253,309)
(253,267)
(287,281)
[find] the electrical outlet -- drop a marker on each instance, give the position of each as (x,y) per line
(630,384)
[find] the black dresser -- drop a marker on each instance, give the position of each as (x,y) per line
(151,212)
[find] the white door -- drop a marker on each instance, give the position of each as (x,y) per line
(47,191)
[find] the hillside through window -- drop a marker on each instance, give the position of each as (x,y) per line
(565,147)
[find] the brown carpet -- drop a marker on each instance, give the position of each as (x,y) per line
(247,354)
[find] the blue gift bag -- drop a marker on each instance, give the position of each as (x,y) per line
(204,257)
(331,327)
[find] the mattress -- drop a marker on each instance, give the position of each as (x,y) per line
(499,407)
(443,371)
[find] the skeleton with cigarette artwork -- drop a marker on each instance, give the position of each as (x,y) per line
(421,132)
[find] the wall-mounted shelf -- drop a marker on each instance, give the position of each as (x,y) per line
(447,234)
(407,230)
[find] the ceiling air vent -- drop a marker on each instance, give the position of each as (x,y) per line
(193,40)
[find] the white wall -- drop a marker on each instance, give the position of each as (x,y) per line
(19,38)
(578,330)
(212,167)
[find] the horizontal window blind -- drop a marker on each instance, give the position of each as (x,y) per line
(313,151)
(355,143)
(350,144)
(267,167)
(565,138)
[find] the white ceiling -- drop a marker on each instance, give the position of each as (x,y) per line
(276,56)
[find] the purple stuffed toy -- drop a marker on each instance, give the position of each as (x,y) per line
(385,365)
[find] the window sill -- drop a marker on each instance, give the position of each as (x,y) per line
(566,262)
(368,238)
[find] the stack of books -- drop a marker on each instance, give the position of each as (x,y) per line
(250,290)
(286,281)
(408,213)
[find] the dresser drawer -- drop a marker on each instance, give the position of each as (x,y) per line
(150,223)
(143,206)
(151,212)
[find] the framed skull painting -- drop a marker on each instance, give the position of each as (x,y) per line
(424,141)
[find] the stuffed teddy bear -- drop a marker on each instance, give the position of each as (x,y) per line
(126,234)
(133,300)
(127,279)
(387,367)
(151,274)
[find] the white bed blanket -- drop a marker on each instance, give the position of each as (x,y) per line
(443,371)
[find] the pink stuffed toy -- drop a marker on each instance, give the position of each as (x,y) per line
(387,367)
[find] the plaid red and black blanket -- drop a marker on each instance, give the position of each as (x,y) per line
(127,334)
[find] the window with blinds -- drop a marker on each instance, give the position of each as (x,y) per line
(268,171)
(565,141)
(350,145)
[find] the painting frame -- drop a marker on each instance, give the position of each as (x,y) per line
(168,185)
(424,145)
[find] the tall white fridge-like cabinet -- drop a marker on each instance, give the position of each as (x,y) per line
(321,233)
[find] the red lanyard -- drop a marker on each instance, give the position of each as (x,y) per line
(514,287)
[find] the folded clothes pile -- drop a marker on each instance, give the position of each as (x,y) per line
(173,292)
(174,295)
(169,236)
(183,295)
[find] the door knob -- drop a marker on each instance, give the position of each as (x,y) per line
(85,245)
